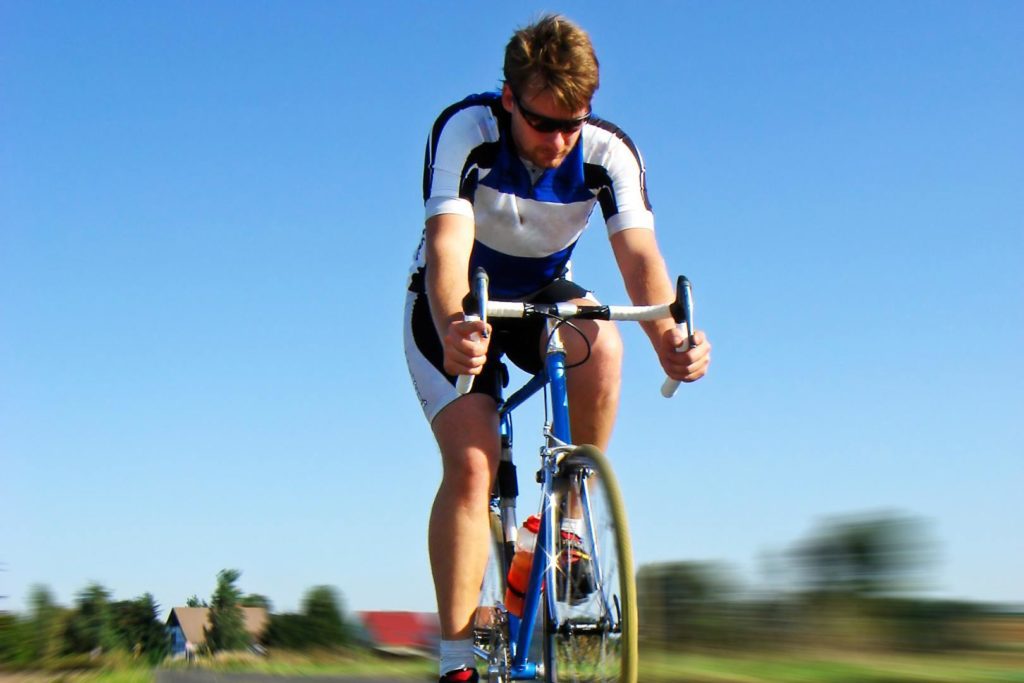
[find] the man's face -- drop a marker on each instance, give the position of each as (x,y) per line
(533,115)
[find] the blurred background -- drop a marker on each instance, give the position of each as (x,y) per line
(208,211)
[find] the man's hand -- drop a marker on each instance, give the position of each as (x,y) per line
(465,347)
(689,366)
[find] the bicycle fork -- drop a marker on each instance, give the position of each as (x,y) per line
(542,572)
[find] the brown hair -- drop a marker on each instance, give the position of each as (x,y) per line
(553,54)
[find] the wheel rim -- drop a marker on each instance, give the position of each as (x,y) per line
(592,634)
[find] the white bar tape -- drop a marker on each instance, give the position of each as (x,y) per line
(670,386)
(465,382)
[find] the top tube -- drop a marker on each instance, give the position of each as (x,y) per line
(523,393)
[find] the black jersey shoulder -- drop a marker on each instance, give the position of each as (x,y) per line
(620,134)
(488,99)
(597,177)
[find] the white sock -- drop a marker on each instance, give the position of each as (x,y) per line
(573,526)
(457,654)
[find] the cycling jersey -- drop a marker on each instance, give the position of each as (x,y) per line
(527,220)
(527,225)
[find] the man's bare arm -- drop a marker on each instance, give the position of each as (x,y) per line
(647,282)
(449,243)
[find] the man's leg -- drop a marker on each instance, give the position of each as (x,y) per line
(459,533)
(594,386)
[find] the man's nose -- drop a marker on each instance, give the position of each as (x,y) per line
(558,138)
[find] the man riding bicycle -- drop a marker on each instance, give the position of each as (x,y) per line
(510,180)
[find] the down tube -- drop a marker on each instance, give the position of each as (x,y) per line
(521,668)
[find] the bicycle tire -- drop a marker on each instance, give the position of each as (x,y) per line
(595,639)
(490,623)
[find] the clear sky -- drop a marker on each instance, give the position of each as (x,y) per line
(207,213)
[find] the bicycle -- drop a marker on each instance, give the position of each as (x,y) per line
(588,624)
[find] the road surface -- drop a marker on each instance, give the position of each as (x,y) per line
(201,676)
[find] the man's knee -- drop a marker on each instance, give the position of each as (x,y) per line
(607,345)
(469,471)
(467,434)
(603,353)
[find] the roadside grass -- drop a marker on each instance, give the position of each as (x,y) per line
(655,667)
(353,663)
(105,675)
(830,668)
(118,670)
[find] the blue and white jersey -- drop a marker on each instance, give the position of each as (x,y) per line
(527,225)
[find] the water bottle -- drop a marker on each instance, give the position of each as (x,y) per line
(519,572)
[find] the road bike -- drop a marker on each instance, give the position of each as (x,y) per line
(580,598)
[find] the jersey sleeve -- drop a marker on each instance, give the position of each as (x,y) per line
(623,193)
(457,132)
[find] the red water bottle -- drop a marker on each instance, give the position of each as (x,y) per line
(519,572)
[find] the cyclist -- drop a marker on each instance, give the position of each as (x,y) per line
(510,180)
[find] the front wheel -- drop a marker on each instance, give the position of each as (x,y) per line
(490,624)
(590,616)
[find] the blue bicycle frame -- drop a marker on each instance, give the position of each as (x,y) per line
(514,635)
(521,630)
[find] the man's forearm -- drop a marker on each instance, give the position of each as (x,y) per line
(445,295)
(651,285)
(645,276)
(449,244)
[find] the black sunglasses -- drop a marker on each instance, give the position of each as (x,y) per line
(546,124)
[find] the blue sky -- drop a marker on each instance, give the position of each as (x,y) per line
(207,212)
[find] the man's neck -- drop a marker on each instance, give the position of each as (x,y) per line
(533,169)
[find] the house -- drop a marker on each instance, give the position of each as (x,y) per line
(402,632)
(187,626)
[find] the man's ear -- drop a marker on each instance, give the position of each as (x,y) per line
(507,99)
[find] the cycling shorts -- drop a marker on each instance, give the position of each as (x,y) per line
(520,340)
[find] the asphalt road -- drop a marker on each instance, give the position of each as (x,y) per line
(200,676)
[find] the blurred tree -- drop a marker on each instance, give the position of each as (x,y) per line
(194,601)
(855,573)
(928,625)
(227,624)
(91,626)
(44,625)
(288,632)
(321,624)
(322,608)
(256,600)
(685,603)
(871,555)
(15,640)
(139,628)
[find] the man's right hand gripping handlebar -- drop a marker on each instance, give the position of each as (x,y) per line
(476,307)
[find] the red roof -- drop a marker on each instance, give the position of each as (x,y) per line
(402,629)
